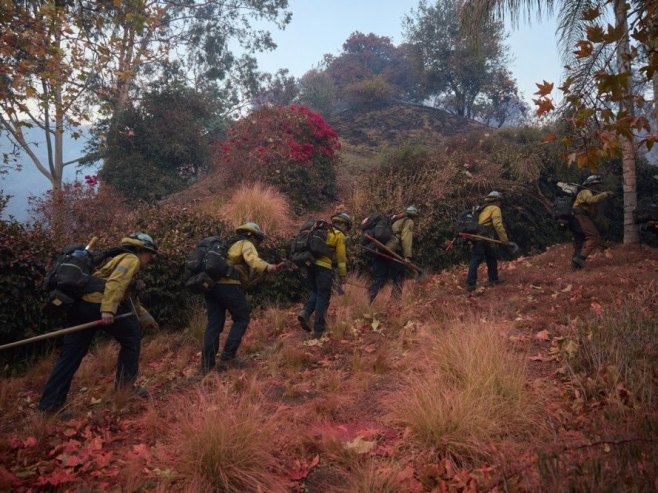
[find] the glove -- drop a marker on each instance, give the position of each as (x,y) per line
(513,247)
(107,318)
(275,267)
(407,260)
(609,194)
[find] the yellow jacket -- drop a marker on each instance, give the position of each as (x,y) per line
(492,218)
(403,235)
(335,241)
(586,201)
(119,273)
(244,258)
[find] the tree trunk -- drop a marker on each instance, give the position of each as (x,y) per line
(627,144)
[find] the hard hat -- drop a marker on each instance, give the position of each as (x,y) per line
(411,211)
(592,180)
(493,196)
(342,217)
(140,240)
(251,228)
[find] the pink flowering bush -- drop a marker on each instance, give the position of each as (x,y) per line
(290,147)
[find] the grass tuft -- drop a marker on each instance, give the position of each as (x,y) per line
(469,390)
(225,444)
(261,204)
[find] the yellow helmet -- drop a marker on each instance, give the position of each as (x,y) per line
(342,217)
(251,228)
(140,240)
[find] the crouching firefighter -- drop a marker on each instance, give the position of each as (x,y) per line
(321,276)
(227,294)
(111,292)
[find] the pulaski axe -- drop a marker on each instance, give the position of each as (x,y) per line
(387,252)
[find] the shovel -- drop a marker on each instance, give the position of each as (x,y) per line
(420,274)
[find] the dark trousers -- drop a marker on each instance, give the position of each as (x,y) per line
(76,345)
(220,299)
(578,236)
(383,270)
(591,234)
(482,251)
(320,280)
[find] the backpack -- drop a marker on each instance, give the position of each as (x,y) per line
(207,263)
(563,207)
(69,274)
(310,243)
(467,221)
(377,225)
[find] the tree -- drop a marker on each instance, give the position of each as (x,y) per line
(66,64)
(158,146)
(318,91)
(599,89)
(291,148)
(370,61)
(456,68)
(280,89)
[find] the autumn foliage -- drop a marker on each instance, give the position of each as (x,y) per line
(292,148)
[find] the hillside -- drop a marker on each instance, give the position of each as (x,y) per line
(363,132)
(392,124)
(345,413)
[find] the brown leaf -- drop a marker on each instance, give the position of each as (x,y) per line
(542,335)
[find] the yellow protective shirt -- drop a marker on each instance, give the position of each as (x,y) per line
(492,218)
(119,273)
(586,201)
(243,256)
(403,235)
(335,241)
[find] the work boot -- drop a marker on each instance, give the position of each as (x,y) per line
(141,392)
(470,287)
(579,261)
(302,317)
(493,282)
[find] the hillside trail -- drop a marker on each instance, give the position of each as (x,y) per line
(327,390)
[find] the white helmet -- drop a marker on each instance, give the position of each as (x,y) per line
(493,196)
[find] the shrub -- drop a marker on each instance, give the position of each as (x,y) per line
(469,391)
(292,148)
(368,91)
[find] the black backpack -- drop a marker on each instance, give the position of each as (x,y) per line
(467,221)
(378,226)
(310,243)
(69,275)
(207,263)
(563,207)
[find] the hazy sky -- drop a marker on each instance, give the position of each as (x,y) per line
(320,27)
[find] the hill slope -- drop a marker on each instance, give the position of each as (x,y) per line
(334,415)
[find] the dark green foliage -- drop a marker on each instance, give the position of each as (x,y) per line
(155,149)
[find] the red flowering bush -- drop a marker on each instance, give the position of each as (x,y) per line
(291,148)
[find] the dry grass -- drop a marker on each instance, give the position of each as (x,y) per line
(223,443)
(617,354)
(373,477)
(466,392)
(197,321)
(261,204)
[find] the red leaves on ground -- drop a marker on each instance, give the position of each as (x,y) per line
(300,468)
